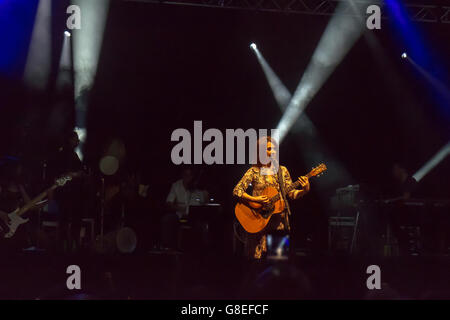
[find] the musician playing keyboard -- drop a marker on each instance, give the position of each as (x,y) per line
(406,185)
(259,177)
(183,194)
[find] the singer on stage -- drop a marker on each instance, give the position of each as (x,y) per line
(255,243)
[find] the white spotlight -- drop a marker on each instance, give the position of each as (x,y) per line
(87,43)
(82,137)
(253,46)
(67,33)
(38,63)
(433,162)
(341,33)
(404,55)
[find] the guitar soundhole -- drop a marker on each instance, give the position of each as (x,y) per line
(267,210)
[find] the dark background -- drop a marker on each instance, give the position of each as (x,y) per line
(162,67)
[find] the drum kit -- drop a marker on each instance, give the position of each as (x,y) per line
(123,239)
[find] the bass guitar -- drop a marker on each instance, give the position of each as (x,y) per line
(10,222)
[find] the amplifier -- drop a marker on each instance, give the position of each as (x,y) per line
(342,233)
(345,198)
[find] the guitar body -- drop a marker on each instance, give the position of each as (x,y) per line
(9,223)
(12,221)
(253,216)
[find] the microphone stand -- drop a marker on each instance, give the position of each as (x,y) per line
(44,177)
(288,209)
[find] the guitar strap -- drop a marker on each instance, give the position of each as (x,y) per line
(283,195)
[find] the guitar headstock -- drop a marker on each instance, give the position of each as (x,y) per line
(319,170)
(62,180)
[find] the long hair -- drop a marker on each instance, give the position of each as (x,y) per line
(261,144)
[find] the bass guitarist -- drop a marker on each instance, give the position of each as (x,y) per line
(13,194)
(260,177)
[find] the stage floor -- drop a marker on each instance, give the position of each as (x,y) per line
(191,276)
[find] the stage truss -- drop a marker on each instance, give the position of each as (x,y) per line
(432,13)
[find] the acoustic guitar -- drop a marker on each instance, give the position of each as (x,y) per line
(254,216)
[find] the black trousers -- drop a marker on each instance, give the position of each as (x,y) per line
(70,216)
(252,240)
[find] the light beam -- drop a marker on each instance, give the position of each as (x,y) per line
(38,65)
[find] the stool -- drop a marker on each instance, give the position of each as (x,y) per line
(184,230)
(50,224)
(90,222)
(390,248)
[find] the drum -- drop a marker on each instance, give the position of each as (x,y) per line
(123,240)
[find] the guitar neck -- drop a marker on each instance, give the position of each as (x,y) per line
(297,184)
(292,187)
(35,200)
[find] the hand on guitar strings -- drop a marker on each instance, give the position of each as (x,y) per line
(304,182)
(261,199)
